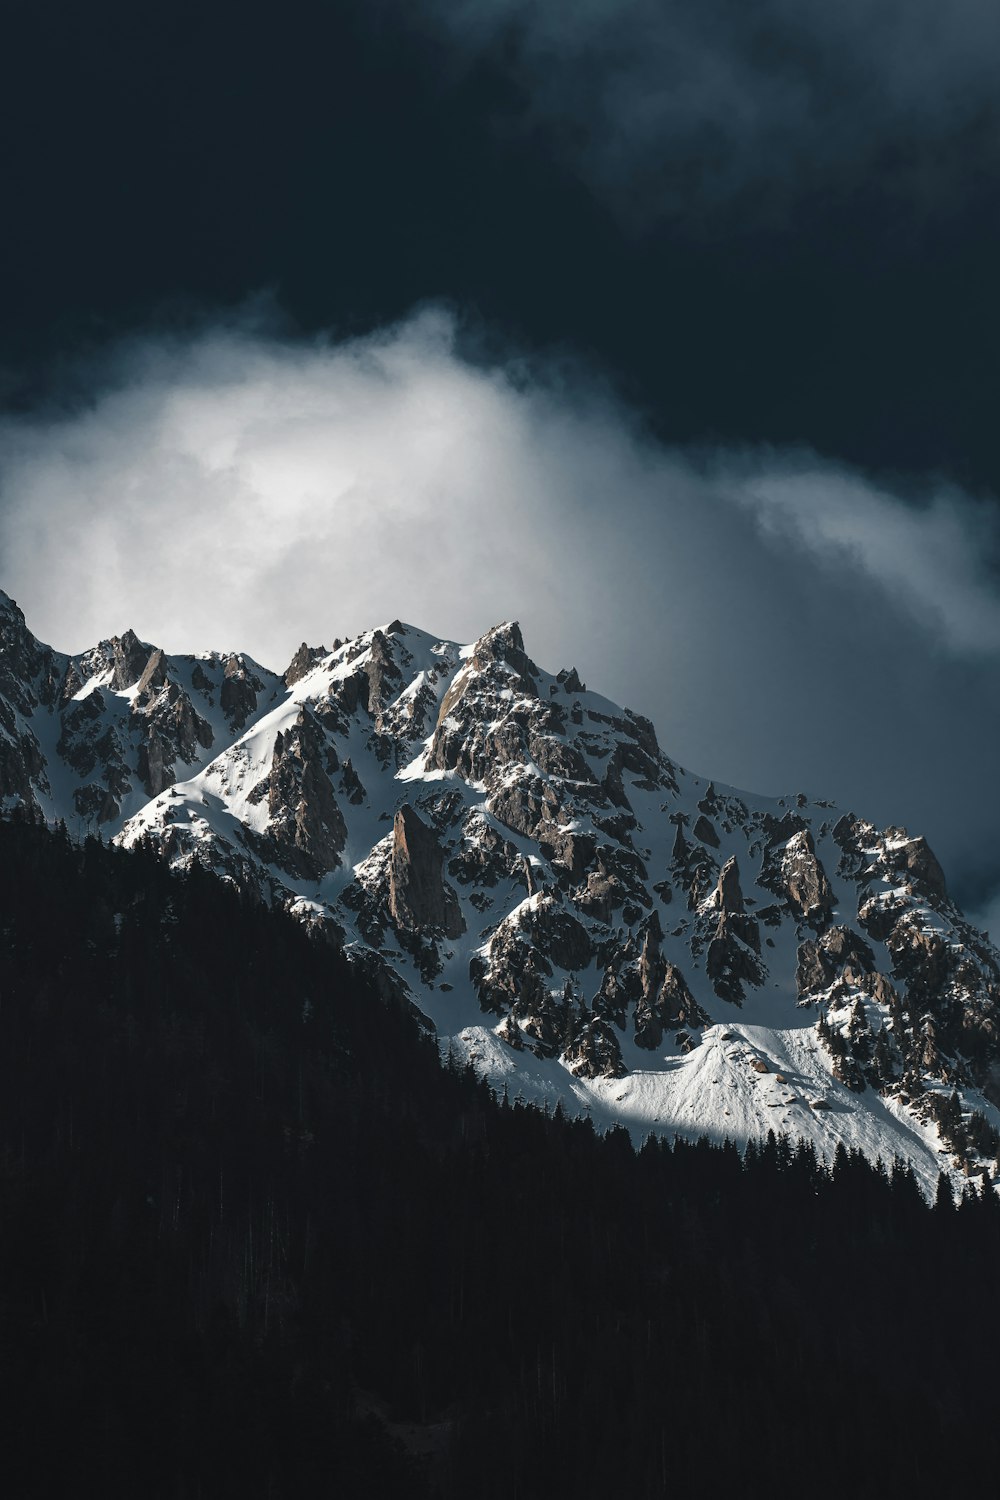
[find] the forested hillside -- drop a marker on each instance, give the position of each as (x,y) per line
(256,1241)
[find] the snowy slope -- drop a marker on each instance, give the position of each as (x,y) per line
(580,917)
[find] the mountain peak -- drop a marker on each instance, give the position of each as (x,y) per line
(130,656)
(517,856)
(504,643)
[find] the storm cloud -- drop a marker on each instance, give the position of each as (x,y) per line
(669,106)
(786,622)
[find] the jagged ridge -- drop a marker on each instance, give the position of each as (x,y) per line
(574,912)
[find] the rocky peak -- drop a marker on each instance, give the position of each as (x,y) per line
(919,862)
(302,662)
(505,644)
(793,871)
(14,633)
(384,676)
(129,656)
(482,685)
(238,695)
(806,882)
(27,668)
(569,680)
(727,896)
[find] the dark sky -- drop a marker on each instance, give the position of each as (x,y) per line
(743,230)
(186,156)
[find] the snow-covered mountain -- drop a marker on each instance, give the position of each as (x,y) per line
(576,914)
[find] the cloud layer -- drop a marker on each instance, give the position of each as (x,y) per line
(786,623)
(709,101)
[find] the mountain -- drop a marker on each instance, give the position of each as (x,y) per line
(574,913)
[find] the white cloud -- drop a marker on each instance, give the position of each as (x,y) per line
(785,622)
(932,555)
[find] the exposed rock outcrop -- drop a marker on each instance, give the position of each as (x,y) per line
(665,1001)
(728,896)
(306,832)
(302,662)
(384,675)
(594,1051)
(838,953)
(793,871)
(239,691)
(129,656)
(172,728)
(805,883)
(30,673)
(419,896)
(704,829)
(917,860)
(733,953)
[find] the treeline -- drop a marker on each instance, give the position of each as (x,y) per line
(255,1241)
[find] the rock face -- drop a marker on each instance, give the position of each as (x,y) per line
(419,896)
(733,958)
(573,911)
(838,952)
(593,1051)
(129,656)
(238,695)
(793,871)
(302,662)
(28,675)
(173,728)
(665,1002)
(307,830)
